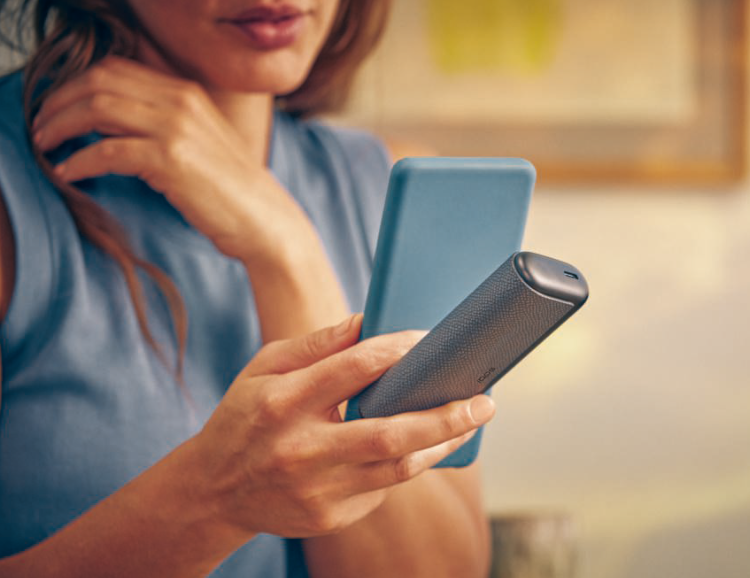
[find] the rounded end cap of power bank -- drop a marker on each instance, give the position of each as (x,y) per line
(552,277)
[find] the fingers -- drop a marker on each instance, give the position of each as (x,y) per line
(114,76)
(105,113)
(338,377)
(116,155)
(389,473)
(121,97)
(391,438)
(401,467)
(290,355)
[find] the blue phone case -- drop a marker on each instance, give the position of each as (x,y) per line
(448,223)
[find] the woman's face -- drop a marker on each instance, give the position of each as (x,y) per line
(264,46)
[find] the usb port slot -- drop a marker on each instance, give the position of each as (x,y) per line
(571,275)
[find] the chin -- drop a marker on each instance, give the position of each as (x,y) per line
(254,77)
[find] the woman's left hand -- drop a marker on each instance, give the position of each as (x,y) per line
(168,132)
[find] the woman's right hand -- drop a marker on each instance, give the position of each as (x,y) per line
(168,132)
(277,458)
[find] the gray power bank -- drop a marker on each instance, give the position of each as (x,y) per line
(486,335)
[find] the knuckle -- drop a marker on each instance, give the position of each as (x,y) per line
(320,510)
(324,520)
(385,441)
(452,423)
(97,78)
(109,149)
(315,343)
(288,458)
(404,469)
(271,408)
(157,180)
(275,408)
(265,354)
(99,103)
(173,151)
(308,349)
(281,462)
(364,362)
(179,125)
(189,97)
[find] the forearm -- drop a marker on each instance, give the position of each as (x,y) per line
(430,527)
(158,525)
(296,290)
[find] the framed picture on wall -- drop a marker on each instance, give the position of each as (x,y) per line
(612,91)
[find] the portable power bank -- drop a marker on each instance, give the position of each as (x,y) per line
(487,334)
(447,223)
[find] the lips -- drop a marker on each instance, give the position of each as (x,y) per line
(271,27)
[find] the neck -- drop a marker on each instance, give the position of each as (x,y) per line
(250,114)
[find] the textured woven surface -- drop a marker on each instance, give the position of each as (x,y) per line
(469,349)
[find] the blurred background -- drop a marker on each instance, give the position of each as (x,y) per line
(634,419)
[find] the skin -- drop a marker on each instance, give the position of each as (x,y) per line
(275,457)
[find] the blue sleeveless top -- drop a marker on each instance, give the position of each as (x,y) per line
(86,404)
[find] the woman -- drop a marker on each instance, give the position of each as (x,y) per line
(154,184)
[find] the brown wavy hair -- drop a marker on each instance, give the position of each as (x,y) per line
(69,36)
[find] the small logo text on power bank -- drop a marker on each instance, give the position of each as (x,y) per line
(486,375)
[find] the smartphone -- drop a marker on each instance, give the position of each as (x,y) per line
(487,334)
(447,223)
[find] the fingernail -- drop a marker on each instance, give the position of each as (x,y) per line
(59,170)
(481,409)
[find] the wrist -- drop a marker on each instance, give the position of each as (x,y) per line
(180,497)
(285,259)
(268,228)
